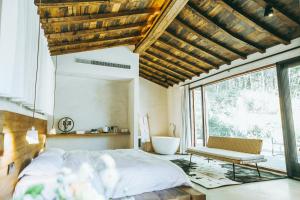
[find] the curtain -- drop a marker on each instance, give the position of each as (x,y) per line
(18,52)
(186,133)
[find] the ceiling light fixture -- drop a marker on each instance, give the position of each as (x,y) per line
(269,11)
(32,135)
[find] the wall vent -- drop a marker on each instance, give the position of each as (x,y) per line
(102,63)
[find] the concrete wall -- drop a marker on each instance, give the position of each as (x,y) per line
(92,103)
(154,102)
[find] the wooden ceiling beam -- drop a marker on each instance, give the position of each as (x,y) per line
(169,12)
(63,3)
(279,10)
(158,72)
(153,79)
(197,47)
(188,54)
(90,48)
(93,42)
(157,75)
(181,60)
(172,70)
(214,22)
(167,71)
(211,40)
(47,22)
(171,63)
(106,30)
(256,22)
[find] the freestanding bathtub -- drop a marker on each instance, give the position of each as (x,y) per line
(165,145)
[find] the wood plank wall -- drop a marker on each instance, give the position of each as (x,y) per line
(16,149)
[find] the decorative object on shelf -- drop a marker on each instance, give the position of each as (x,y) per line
(124,130)
(115,129)
(106,129)
(65,124)
(80,132)
(32,135)
(1,143)
(53,130)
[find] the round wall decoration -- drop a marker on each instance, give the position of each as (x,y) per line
(65,124)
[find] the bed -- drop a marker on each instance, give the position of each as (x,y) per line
(113,173)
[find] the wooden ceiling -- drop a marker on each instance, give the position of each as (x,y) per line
(176,39)
(82,25)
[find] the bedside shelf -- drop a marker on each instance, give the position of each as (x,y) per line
(65,135)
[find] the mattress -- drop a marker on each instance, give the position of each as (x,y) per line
(135,172)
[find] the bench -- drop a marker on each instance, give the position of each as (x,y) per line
(233,150)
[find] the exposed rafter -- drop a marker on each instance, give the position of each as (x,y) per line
(211,40)
(154,70)
(154,79)
(279,10)
(165,70)
(171,63)
(188,54)
(195,46)
(153,60)
(178,58)
(107,30)
(211,20)
(92,42)
(256,22)
(61,3)
(168,14)
(96,17)
(90,48)
(157,75)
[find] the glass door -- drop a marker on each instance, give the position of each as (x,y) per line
(289,91)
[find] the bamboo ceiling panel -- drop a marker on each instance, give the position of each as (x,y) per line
(209,33)
(83,25)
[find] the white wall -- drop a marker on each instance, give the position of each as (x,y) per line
(174,93)
(92,103)
(154,102)
(111,94)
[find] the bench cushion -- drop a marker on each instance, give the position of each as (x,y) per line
(234,155)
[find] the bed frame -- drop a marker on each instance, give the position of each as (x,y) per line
(178,193)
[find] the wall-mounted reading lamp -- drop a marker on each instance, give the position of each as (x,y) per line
(32,135)
(1,144)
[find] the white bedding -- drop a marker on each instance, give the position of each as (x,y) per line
(135,172)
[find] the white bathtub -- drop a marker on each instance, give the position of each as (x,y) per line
(165,145)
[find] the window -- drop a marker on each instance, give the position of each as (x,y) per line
(245,106)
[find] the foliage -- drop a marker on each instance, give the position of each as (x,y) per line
(247,106)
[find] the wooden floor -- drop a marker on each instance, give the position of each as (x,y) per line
(284,189)
(180,193)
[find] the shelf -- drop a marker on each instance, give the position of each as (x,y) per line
(65,135)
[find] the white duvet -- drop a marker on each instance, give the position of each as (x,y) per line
(134,172)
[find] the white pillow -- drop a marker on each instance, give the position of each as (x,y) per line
(44,165)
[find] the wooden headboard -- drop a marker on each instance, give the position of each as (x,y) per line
(16,149)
